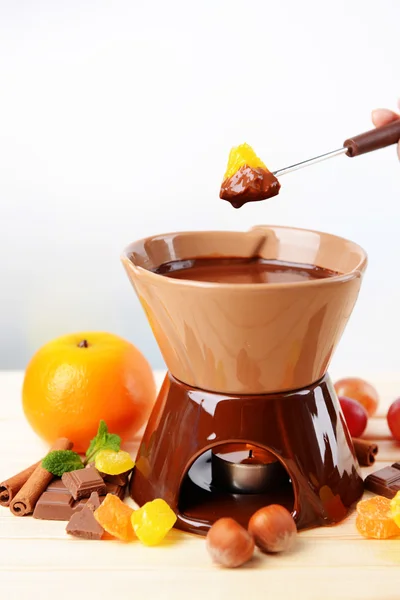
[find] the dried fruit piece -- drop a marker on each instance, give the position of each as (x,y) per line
(115,517)
(240,156)
(395,509)
(374,518)
(152,522)
(113,463)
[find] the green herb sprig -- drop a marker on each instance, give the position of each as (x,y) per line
(102,441)
(58,462)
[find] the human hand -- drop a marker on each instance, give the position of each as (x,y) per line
(382,116)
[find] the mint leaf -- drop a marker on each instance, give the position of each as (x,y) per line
(97,441)
(113,442)
(102,441)
(58,462)
(103,430)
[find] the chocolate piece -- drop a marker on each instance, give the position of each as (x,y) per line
(57,504)
(111,488)
(57,486)
(94,501)
(120,479)
(83,524)
(365,451)
(249,185)
(385,482)
(116,490)
(83,482)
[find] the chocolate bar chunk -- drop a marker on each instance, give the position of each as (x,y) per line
(56,486)
(116,490)
(385,482)
(83,482)
(57,504)
(120,479)
(111,488)
(94,501)
(83,524)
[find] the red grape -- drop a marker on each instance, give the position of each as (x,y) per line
(393,419)
(360,390)
(355,416)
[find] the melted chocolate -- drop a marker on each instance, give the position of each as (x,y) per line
(242,270)
(249,185)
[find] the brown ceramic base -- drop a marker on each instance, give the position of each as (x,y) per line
(304,429)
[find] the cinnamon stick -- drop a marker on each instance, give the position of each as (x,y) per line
(25,500)
(10,487)
(366,451)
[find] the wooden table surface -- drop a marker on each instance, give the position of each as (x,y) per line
(38,559)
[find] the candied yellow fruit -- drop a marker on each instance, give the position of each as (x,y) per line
(374,518)
(112,462)
(153,521)
(115,518)
(240,156)
(395,509)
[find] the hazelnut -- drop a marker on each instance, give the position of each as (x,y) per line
(229,544)
(273,528)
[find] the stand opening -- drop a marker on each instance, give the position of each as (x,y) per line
(233,480)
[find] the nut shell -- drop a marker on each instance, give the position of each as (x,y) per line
(273,528)
(229,544)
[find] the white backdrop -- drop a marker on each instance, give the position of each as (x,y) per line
(116,119)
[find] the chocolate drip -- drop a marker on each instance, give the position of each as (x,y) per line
(249,185)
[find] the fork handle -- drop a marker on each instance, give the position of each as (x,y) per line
(373,140)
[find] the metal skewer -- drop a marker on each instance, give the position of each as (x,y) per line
(310,161)
(360,144)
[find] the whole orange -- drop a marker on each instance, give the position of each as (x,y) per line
(76,380)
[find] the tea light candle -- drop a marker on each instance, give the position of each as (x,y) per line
(243,468)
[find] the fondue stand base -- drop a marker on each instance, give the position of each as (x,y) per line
(304,429)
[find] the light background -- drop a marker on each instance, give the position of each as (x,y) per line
(115,123)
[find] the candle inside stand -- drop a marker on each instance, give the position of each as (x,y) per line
(244,468)
(238,453)
(255,455)
(251,459)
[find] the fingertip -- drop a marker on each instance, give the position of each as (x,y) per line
(381,116)
(375,116)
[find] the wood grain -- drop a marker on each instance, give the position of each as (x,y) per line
(329,563)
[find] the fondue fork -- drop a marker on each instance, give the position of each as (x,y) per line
(360,144)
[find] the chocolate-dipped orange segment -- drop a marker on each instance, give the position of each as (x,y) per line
(247,179)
